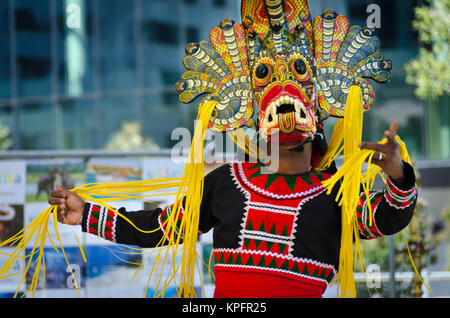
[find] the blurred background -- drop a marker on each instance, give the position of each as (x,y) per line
(97,75)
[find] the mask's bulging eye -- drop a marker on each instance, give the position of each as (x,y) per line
(300,70)
(263,73)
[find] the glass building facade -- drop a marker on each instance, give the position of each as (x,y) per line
(72,71)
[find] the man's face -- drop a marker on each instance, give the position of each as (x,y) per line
(283,90)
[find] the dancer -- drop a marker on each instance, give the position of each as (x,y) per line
(282,232)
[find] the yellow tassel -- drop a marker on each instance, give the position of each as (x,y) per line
(334,146)
(348,195)
(192,186)
(37,229)
(349,129)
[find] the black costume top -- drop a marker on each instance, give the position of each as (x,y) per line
(280,226)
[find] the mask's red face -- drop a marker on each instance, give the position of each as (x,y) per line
(283,90)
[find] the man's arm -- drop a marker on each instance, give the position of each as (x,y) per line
(142,228)
(107,224)
(393,208)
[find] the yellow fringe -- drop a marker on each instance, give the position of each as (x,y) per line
(37,229)
(183,240)
(348,194)
(349,130)
(334,146)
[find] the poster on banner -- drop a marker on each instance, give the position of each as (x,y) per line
(61,280)
(43,174)
(114,170)
(12,197)
(111,271)
(158,273)
(69,235)
(108,170)
(12,181)
(11,220)
(161,168)
(110,267)
(9,285)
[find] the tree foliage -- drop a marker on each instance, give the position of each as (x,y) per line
(5,140)
(129,138)
(430,70)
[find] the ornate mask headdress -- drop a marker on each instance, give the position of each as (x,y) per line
(279,72)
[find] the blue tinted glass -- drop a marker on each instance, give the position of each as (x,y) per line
(75,125)
(112,113)
(5,86)
(115,44)
(35,126)
(160,40)
(33,57)
(161,114)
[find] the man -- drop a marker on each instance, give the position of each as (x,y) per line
(276,233)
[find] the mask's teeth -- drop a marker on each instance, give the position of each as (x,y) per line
(297,106)
(273,112)
(300,112)
(297,117)
(284,100)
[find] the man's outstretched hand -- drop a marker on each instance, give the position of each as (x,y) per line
(387,155)
(70,205)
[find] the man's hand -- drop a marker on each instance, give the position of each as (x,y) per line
(387,156)
(70,205)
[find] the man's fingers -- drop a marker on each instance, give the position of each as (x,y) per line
(392,132)
(377,156)
(373,146)
(56,201)
(390,137)
(62,190)
(58,194)
(394,127)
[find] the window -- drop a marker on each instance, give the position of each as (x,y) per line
(32,38)
(192,34)
(160,32)
(35,126)
(5,80)
(220,3)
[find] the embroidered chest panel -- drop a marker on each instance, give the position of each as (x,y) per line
(269,224)
(274,203)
